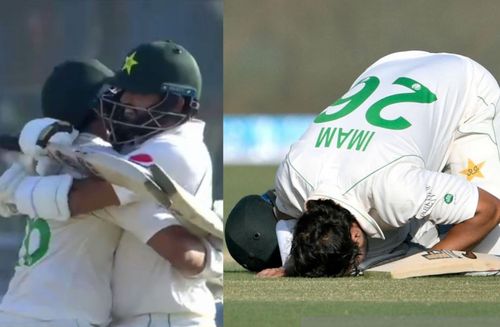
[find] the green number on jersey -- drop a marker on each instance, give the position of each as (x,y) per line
(419,94)
(353,101)
(42,228)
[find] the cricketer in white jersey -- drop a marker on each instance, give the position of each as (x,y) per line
(146,288)
(63,276)
(380,149)
(157,98)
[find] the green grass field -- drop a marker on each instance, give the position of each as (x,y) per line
(437,301)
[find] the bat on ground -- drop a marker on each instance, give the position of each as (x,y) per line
(437,262)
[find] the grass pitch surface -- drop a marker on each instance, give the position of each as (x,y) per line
(359,301)
(348,302)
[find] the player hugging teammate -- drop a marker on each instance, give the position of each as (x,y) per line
(97,254)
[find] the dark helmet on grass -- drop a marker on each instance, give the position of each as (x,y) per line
(70,91)
(250,232)
(164,68)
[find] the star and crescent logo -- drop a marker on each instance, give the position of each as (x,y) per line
(129,63)
(472,170)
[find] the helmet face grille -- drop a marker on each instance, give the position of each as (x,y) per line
(127,123)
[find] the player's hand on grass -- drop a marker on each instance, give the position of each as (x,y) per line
(272,272)
(38,132)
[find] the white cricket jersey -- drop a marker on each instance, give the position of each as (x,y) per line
(144,282)
(64,268)
(378,151)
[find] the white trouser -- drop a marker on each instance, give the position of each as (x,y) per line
(10,320)
(164,320)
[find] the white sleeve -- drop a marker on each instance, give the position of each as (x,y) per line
(402,193)
(142,219)
(284,234)
(188,166)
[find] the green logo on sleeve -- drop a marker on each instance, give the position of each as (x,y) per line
(448,198)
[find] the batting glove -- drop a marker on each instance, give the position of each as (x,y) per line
(38,132)
(46,166)
(46,197)
(8,210)
(9,181)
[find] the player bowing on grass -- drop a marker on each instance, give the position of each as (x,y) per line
(412,144)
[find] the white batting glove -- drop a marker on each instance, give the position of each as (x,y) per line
(46,166)
(9,181)
(36,129)
(45,197)
(8,210)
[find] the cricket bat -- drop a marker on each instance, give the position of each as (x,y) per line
(149,182)
(436,262)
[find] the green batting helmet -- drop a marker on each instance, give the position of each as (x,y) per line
(69,92)
(160,67)
(250,233)
(152,67)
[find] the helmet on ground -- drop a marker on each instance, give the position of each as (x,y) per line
(163,68)
(70,91)
(250,232)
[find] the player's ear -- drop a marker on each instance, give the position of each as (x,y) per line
(356,233)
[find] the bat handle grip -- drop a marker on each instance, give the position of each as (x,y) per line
(51,130)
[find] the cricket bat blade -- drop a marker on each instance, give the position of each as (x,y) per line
(436,262)
(186,205)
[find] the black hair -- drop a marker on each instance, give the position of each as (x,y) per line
(322,244)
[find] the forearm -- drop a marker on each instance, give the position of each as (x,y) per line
(183,250)
(90,194)
(466,235)
(462,237)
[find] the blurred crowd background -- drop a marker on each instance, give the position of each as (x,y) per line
(37,35)
(291,56)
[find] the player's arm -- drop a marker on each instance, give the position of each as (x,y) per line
(182,249)
(186,252)
(409,191)
(467,234)
(90,194)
